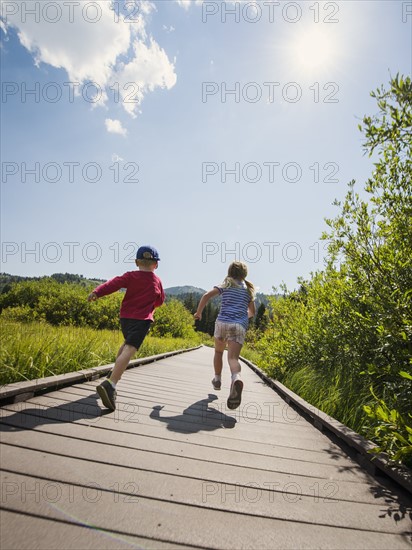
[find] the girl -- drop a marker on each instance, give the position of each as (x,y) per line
(231,324)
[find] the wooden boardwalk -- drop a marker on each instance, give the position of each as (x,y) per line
(173,468)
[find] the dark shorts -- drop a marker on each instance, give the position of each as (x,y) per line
(134,331)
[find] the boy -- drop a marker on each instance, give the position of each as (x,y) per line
(144,292)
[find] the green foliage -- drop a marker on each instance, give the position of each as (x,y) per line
(390,430)
(21,314)
(257,326)
(350,327)
(6,280)
(250,354)
(173,319)
(60,304)
(262,318)
(35,350)
(209,315)
(65,304)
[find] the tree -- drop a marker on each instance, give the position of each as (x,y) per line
(375,239)
(345,338)
(262,318)
(189,303)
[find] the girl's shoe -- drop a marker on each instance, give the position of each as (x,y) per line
(217,384)
(235,396)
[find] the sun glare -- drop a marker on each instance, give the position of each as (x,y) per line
(314,49)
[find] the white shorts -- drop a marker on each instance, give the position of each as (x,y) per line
(230,331)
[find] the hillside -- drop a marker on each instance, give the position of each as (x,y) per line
(187,289)
(182,293)
(6,280)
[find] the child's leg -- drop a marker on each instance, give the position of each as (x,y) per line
(220,346)
(126,352)
(236,388)
(121,349)
(233,353)
(134,331)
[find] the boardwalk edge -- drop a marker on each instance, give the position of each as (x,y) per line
(21,391)
(376,464)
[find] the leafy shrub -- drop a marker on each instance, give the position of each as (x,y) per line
(349,328)
(173,319)
(20,314)
(60,304)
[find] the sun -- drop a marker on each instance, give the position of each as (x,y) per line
(314,49)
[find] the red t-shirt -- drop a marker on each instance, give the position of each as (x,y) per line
(144,292)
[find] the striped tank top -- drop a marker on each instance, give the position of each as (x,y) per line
(235,302)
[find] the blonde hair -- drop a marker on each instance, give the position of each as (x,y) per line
(238,272)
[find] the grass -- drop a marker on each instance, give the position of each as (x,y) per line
(337,399)
(36,350)
(250,354)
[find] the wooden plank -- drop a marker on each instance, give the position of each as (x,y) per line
(271,483)
(41,533)
(224,471)
(185,524)
(256,497)
(20,391)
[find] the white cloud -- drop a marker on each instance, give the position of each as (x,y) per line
(115,127)
(150,68)
(90,51)
(74,43)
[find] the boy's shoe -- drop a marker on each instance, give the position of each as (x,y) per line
(217,384)
(235,396)
(107,394)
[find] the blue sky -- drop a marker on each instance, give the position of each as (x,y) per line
(113,174)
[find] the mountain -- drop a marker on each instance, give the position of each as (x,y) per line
(187,289)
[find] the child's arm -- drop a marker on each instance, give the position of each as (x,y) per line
(92,297)
(108,287)
(203,301)
(160,298)
(251,310)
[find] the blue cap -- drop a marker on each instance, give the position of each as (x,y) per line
(147,253)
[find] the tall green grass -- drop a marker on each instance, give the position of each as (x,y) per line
(36,350)
(330,394)
(250,354)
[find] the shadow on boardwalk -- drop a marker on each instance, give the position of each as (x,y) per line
(38,415)
(397,499)
(197,417)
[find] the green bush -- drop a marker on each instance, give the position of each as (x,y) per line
(343,341)
(60,304)
(20,314)
(65,304)
(173,319)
